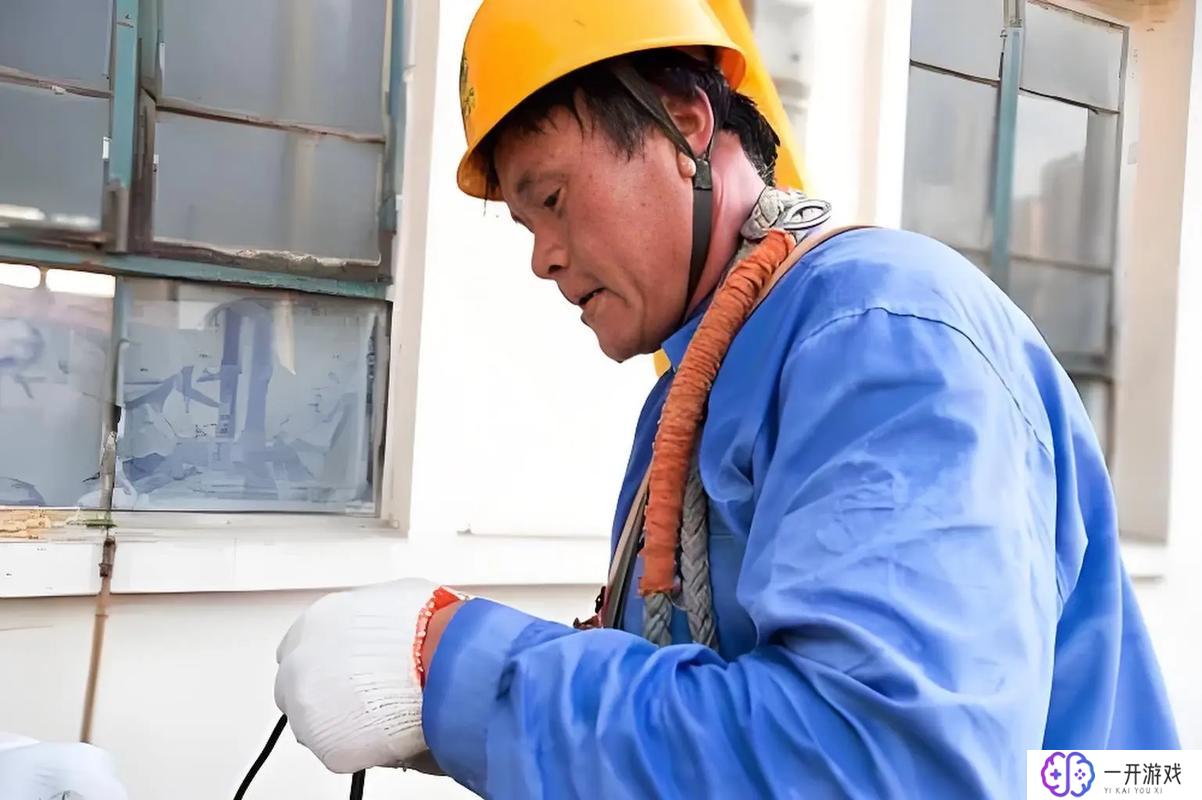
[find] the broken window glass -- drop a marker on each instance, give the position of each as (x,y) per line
(54,346)
(248,400)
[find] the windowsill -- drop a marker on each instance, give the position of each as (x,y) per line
(181,553)
(213,553)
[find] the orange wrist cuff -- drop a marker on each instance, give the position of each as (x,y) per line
(441,598)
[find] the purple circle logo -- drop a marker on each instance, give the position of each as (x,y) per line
(1067,774)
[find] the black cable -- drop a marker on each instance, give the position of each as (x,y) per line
(357,780)
(267,748)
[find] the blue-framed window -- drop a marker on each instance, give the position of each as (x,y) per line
(1013,147)
(197,211)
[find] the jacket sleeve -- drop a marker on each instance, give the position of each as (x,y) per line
(900,574)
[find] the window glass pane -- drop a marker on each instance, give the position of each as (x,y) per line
(235,186)
(959,35)
(1065,182)
(53,358)
(949,151)
(238,400)
(1071,307)
(51,157)
(1095,395)
(314,61)
(1072,56)
(979,259)
(59,39)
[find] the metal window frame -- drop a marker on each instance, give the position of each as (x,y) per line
(152,99)
(1007,142)
(1102,368)
(115,250)
(1009,85)
(124,245)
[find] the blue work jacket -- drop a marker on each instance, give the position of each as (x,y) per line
(915,567)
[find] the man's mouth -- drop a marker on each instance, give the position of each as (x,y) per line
(584,300)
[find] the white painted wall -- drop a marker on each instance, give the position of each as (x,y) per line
(856,121)
(185,699)
(849,59)
(1162,46)
(504,359)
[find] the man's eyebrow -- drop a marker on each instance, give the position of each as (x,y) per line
(522,191)
(524,184)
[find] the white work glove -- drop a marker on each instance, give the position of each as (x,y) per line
(32,770)
(348,677)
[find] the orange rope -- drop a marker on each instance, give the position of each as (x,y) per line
(680,423)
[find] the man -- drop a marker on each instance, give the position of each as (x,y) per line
(911,574)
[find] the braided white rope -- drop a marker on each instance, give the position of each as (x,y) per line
(695,561)
(657,619)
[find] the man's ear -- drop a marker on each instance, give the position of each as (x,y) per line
(694,118)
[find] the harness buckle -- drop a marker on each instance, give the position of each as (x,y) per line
(804,215)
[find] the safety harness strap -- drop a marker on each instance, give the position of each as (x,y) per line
(611,601)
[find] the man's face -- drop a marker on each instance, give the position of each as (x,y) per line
(613,233)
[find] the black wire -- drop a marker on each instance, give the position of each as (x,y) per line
(267,748)
(357,780)
(357,785)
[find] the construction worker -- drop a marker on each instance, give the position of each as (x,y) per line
(866,545)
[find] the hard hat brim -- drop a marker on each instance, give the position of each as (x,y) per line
(473,170)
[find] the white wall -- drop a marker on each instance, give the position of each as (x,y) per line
(856,120)
(185,696)
(1161,52)
(504,361)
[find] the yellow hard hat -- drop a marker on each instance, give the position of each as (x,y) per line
(516,47)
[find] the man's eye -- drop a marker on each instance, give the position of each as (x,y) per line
(551,200)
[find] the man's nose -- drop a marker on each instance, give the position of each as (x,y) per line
(549,256)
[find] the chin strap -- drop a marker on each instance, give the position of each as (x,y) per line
(703,217)
(703,179)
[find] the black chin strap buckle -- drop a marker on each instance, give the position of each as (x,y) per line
(703,180)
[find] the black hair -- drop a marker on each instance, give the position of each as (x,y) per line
(625,121)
